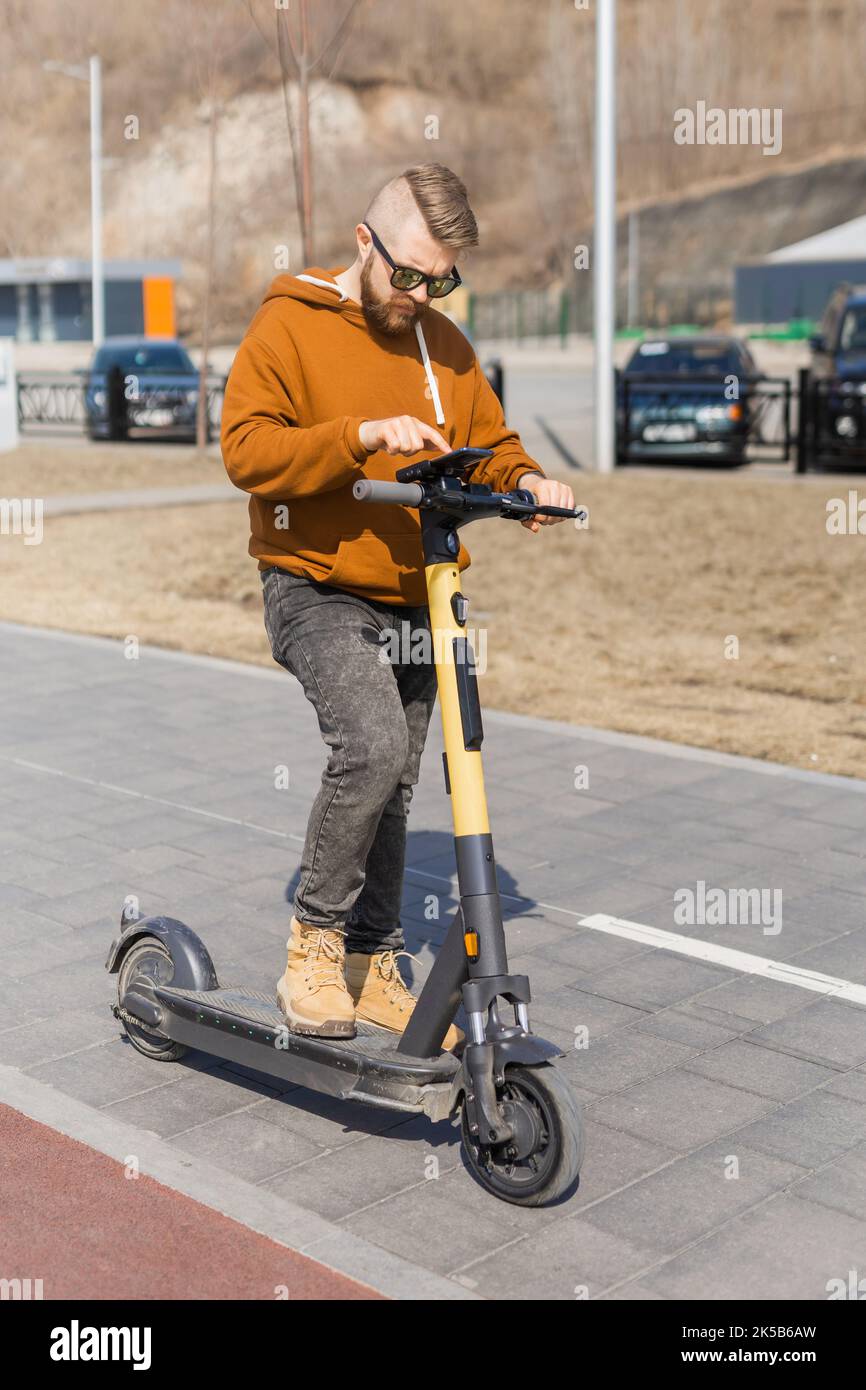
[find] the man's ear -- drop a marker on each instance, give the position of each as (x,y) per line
(363,240)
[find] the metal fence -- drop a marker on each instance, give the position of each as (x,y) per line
(63,403)
(520,314)
(817,422)
(51,399)
(832,423)
(660,410)
(814,422)
(555,314)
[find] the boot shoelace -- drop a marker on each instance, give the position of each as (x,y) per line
(389,971)
(325,955)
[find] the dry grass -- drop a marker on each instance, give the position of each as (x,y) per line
(43,470)
(622,626)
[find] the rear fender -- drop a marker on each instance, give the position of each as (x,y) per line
(193,967)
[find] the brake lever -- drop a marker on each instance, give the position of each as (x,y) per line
(521,503)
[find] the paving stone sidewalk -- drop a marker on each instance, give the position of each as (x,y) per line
(726,1113)
(126,499)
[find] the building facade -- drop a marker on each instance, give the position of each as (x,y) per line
(796,281)
(48,299)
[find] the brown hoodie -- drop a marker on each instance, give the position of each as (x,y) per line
(307,374)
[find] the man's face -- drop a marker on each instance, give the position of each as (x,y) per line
(385,308)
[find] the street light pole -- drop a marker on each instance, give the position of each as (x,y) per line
(93,75)
(604,249)
(97,270)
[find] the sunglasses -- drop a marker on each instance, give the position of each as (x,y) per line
(403,277)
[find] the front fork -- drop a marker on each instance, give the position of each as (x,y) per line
(473,962)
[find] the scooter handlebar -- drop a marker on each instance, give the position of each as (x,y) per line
(372,490)
(520,504)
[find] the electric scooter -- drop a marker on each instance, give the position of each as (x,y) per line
(521,1129)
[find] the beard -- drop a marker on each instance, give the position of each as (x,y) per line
(392,316)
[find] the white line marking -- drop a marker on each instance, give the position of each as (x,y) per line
(743,961)
(158,800)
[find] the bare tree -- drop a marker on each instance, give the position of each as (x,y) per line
(202,417)
(311,43)
(210,43)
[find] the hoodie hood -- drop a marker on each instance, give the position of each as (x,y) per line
(317,286)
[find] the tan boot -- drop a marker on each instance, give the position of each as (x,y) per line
(380,994)
(312,993)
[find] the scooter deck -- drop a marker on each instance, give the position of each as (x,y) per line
(243,1025)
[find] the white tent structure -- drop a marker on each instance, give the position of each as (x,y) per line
(843,243)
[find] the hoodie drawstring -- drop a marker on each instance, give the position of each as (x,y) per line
(431,380)
(325,284)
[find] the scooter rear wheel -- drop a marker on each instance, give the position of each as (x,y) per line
(545,1160)
(147,960)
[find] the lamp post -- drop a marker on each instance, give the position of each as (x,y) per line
(93,75)
(604,249)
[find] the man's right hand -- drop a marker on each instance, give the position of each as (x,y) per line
(400,434)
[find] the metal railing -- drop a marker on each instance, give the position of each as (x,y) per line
(558,313)
(655,409)
(58,402)
(817,421)
(51,398)
(832,423)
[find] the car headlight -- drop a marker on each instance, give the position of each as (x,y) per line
(846,425)
(191,397)
(705,414)
(99,398)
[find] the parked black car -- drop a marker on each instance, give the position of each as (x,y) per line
(838,371)
(141,383)
(686,398)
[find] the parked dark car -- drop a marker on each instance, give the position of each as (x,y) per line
(686,398)
(141,383)
(839,371)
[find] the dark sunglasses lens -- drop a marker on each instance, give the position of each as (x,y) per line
(437,289)
(406,279)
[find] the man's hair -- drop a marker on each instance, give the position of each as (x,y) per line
(440,197)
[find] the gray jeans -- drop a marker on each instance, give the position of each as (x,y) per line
(373,707)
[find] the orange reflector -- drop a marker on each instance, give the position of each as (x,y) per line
(735,412)
(471,939)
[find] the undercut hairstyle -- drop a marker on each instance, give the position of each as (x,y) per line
(440,197)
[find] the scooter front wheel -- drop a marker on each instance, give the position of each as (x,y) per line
(542,1161)
(147,960)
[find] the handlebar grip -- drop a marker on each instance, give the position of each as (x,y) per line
(373,490)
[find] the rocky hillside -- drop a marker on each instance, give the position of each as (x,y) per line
(500,89)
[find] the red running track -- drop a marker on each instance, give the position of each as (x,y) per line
(70,1217)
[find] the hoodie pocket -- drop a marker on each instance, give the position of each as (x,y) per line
(377,563)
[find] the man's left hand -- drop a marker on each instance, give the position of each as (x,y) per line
(547,493)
